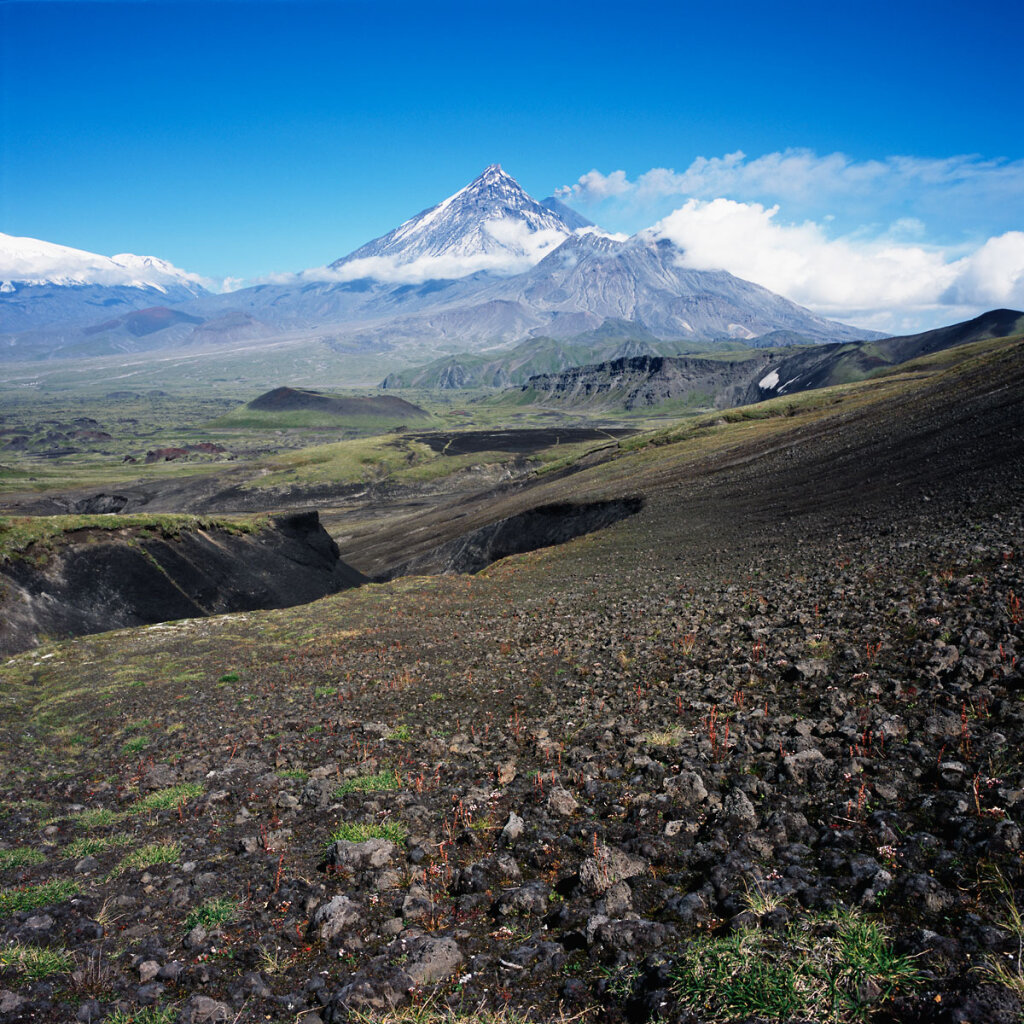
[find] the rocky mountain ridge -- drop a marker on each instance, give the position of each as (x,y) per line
(650,380)
(491,224)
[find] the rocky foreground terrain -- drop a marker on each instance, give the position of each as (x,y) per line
(751,753)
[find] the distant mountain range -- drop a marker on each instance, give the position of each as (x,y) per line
(647,380)
(487,267)
(43,283)
(507,367)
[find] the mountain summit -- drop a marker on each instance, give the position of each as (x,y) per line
(491,224)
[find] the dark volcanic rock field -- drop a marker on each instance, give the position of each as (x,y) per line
(779,710)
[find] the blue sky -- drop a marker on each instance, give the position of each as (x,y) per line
(238,139)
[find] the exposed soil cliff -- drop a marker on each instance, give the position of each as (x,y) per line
(645,381)
(94,580)
(536,528)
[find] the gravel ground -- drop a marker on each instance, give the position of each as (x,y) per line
(777,711)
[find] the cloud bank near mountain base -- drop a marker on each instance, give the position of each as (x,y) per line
(876,282)
(897,244)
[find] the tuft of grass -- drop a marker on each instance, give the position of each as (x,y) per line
(357,832)
(216,911)
(1008,972)
(97,817)
(273,961)
(430,1013)
(21,857)
(666,738)
(144,1015)
(400,732)
(31,897)
(36,962)
(28,804)
(838,969)
(147,856)
(165,799)
(823,649)
(88,846)
(294,773)
(325,691)
(759,900)
(369,784)
(134,745)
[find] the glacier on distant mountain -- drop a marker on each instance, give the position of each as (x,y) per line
(31,261)
(42,283)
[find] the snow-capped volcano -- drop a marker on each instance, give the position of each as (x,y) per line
(491,224)
(42,283)
(486,266)
(31,261)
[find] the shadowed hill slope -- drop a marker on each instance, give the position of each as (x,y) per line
(880,444)
(299,399)
(89,579)
(639,382)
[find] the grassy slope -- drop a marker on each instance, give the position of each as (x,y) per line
(34,536)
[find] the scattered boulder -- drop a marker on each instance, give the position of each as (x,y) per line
(369,854)
(609,865)
(335,917)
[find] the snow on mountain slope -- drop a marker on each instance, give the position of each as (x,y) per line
(591,278)
(490,225)
(43,284)
(31,261)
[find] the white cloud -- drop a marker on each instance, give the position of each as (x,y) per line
(508,247)
(992,275)
(390,270)
(519,240)
(898,242)
(595,186)
(801,174)
(873,281)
